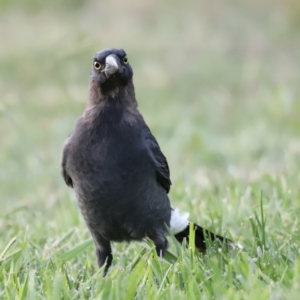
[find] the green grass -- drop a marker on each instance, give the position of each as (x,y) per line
(217,82)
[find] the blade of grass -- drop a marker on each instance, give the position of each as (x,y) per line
(75,251)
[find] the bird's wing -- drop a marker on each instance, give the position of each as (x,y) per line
(65,175)
(162,168)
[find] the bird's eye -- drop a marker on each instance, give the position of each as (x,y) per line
(125,60)
(97,65)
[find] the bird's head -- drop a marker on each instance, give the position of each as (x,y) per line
(111,71)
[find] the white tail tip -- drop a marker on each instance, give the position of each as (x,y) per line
(179,221)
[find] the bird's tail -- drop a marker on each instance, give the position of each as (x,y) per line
(180,227)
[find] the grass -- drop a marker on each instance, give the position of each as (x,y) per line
(217,82)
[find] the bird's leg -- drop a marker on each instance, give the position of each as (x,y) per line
(104,257)
(103,252)
(161,245)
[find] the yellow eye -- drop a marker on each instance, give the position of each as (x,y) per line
(125,60)
(97,65)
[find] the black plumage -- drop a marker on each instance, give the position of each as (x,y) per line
(115,165)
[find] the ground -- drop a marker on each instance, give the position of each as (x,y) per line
(218,84)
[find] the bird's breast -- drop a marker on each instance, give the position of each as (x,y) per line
(111,163)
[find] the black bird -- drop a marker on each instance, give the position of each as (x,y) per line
(115,165)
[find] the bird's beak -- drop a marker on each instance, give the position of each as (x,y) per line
(112,65)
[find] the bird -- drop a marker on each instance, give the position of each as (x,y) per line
(119,174)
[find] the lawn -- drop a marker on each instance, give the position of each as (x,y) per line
(218,84)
